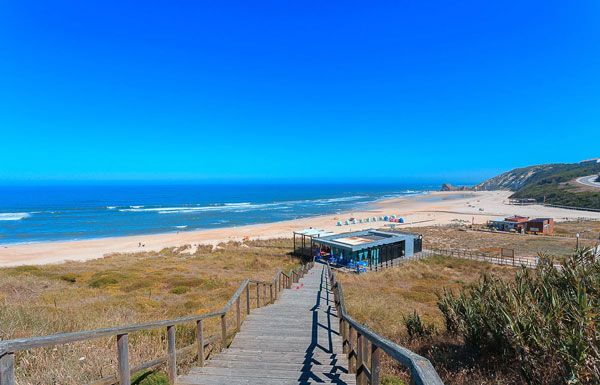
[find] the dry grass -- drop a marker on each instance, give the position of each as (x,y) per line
(586,229)
(118,290)
(449,237)
(382,300)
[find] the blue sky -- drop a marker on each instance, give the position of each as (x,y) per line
(274,90)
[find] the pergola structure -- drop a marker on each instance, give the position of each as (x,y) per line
(303,241)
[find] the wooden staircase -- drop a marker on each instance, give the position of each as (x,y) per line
(296,340)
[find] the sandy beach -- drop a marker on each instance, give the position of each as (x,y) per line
(436,208)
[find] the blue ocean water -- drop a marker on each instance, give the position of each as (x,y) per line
(52,213)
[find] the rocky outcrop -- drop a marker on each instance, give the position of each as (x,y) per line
(514,179)
(449,187)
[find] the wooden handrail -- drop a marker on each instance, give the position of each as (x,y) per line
(421,370)
(8,348)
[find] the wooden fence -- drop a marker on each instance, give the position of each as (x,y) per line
(572,207)
(232,309)
(364,346)
(477,256)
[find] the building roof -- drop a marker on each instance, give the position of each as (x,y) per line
(313,232)
(360,240)
(517,218)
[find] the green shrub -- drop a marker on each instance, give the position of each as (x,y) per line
(416,328)
(150,378)
(546,320)
(106,278)
(26,269)
(180,290)
(69,277)
(391,380)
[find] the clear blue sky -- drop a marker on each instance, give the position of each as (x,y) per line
(399,90)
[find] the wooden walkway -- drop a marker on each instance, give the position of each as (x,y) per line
(294,341)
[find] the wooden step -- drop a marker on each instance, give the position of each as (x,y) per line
(293,341)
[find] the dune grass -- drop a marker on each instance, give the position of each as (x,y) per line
(385,300)
(123,289)
(529,246)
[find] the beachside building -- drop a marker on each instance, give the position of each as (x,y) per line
(514,223)
(540,226)
(524,224)
(372,246)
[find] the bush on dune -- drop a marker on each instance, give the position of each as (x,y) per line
(546,319)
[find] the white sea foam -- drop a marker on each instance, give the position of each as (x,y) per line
(191,209)
(180,227)
(13,216)
(111,207)
(241,207)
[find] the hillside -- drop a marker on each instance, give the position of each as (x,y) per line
(552,183)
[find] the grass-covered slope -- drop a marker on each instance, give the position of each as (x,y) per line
(554,183)
(485,324)
(119,290)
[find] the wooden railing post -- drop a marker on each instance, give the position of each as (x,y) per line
(351,351)
(344,330)
(280,282)
(375,369)
(271,292)
(172,360)
(223,330)
(257,295)
(200,338)
(238,313)
(7,369)
(248,298)
(361,378)
(123,359)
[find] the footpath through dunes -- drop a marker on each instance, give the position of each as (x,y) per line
(296,340)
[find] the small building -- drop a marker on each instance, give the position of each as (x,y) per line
(373,246)
(522,201)
(521,224)
(543,226)
(514,223)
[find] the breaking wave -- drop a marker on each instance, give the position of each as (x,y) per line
(13,216)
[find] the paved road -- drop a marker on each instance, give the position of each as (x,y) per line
(589,181)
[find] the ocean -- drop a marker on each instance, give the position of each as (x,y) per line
(55,213)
